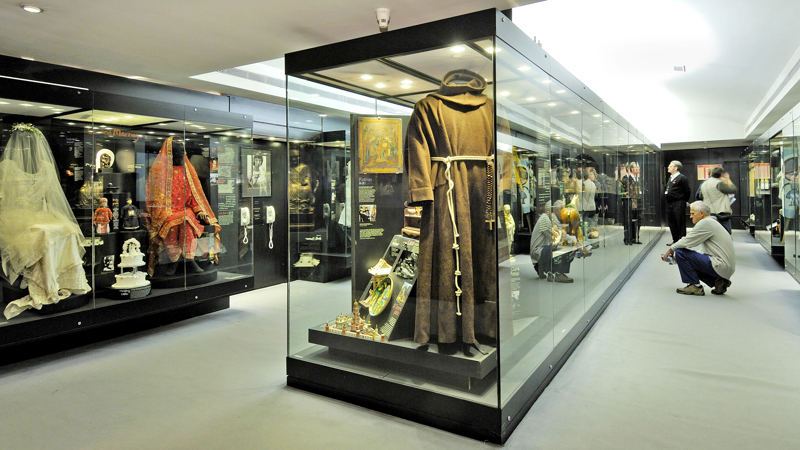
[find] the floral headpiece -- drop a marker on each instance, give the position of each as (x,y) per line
(23,127)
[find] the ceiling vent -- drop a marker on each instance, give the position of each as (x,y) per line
(679,68)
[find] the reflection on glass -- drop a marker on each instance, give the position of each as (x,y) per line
(790,199)
(770,226)
(143,190)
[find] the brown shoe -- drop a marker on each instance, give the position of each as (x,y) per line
(721,286)
(561,278)
(691,289)
(541,275)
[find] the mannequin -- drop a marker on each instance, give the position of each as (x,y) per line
(130,216)
(102,216)
(176,205)
(40,240)
(450,142)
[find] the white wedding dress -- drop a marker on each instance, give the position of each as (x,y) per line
(40,240)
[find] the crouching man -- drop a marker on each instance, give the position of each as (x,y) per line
(715,265)
(545,239)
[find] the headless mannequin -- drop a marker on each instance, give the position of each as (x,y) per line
(191,266)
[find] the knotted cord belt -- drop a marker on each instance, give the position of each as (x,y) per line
(451,206)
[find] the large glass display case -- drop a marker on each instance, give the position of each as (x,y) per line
(115,207)
(772,156)
(789,197)
(748,188)
(488,206)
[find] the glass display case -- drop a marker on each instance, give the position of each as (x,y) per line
(789,198)
(748,188)
(115,207)
(771,186)
(490,205)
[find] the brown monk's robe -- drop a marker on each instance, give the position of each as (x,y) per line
(456,120)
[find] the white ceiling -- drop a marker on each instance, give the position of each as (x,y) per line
(734,50)
(626,50)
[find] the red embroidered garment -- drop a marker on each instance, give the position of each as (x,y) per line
(174,198)
(103,215)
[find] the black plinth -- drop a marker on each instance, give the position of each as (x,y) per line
(179,280)
(129,293)
(14,292)
(477,364)
(68,304)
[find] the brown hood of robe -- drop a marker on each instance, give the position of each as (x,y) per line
(462,87)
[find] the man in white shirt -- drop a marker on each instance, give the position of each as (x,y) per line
(715,192)
(715,265)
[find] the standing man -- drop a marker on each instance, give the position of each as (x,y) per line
(631,196)
(715,193)
(715,265)
(677,196)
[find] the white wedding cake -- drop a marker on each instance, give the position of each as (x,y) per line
(134,283)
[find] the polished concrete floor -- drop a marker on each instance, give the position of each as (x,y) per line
(658,370)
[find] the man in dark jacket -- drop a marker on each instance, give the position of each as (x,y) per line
(677,196)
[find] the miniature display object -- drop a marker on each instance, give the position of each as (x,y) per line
(134,282)
(102,217)
(89,193)
(407,267)
(104,159)
(380,297)
(130,216)
(355,326)
(382,268)
(307,260)
(572,220)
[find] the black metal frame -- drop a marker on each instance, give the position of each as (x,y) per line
(459,416)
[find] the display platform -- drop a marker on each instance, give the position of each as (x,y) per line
(772,244)
(477,362)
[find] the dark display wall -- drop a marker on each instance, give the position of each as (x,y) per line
(691,158)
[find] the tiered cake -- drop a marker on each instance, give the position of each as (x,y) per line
(131,284)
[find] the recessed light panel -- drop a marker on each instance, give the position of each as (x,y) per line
(31,9)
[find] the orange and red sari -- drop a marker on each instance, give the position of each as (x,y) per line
(174,199)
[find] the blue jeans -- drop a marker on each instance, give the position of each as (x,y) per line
(695,267)
(559,264)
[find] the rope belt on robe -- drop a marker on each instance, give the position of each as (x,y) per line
(451,206)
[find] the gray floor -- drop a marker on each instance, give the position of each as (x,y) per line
(658,370)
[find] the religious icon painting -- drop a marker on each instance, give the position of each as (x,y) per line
(380,145)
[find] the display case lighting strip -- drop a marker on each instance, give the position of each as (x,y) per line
(45,82)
